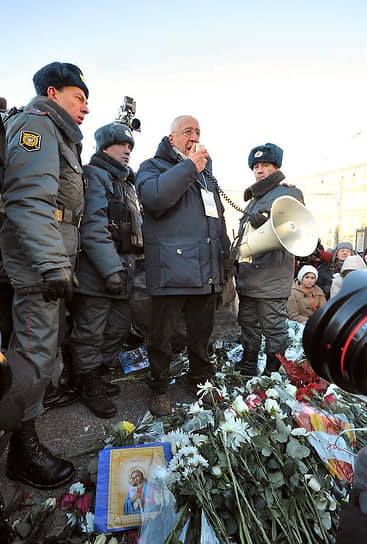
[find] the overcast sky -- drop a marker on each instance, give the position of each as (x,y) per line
(288,72)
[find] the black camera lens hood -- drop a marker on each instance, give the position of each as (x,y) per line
(335,337)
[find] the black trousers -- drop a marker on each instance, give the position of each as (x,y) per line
(101,325)
(199,315)
(258,316)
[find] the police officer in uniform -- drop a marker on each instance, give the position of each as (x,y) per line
(43,196)
(110,238)
(264,281)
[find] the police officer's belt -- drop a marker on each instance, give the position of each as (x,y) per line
(68,216)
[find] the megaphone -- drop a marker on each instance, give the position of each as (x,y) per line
(291,226)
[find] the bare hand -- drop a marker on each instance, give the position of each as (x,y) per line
(199,158)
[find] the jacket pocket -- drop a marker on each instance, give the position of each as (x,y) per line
(180,265)
(71,191)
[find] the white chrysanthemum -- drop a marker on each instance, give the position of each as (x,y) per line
(187,472)
(195,408)
(205,388)
(187,451)
(229,413)
(276,376)
(251,431)
(235,432)
(77,489)
(272,407)
(291,389)
(240,406)
(253,383)
(333,390)
(196,461)
(271,393)
(299,431)
(177,439)
(50,502)
(223,392)
(87,523)
(158,475)
(199,439)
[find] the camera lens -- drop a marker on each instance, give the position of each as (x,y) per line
(335,337)
(135,123)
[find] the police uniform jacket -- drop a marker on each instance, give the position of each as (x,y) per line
(43,191)
(100,256)
(184,248)
(301,305)
(267,275)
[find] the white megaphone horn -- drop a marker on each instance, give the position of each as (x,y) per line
(291,226)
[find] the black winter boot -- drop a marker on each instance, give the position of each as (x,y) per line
(111,389)
(248,364)
(57,398)
(272,364)
(95,396)
(30,462)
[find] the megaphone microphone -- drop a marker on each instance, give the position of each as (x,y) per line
(291,226)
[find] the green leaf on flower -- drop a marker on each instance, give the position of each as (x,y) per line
(260,441)
(230,501)
(23,528)
(297,450)
(269,497)
(282,438)
(289,467)
(294,480)
(302,467)
(273,464)
(277,479)
(231,526)
(266,451)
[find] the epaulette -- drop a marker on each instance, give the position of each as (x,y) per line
(35,111)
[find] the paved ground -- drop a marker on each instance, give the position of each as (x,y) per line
(68,430)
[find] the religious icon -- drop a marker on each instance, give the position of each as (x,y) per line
(125,495)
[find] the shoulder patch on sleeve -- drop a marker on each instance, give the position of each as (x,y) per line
(30,141)
(35,111)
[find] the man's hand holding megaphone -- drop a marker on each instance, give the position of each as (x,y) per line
(259,218)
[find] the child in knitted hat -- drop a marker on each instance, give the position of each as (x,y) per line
(305,297)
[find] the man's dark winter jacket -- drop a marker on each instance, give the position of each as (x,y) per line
(99,257)
(184,249)
(269,275)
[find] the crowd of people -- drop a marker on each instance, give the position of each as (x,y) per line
(71,236)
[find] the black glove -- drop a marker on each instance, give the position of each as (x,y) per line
(58,283)
(114,283)
(257,219)
(5,375)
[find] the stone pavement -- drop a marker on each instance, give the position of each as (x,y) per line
(69,430)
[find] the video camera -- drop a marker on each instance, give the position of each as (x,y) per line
(126,114)
(335,337)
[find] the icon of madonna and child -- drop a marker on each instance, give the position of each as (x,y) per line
(129,494)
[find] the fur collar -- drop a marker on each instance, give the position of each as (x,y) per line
(115,168)
(60,117)
(260,188)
